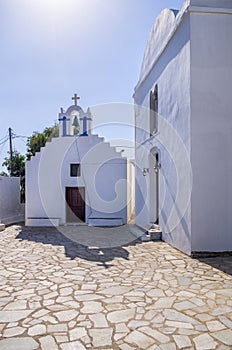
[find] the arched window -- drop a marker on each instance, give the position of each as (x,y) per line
(74,123)
(154,111)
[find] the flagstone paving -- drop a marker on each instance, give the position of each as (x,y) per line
(57,294)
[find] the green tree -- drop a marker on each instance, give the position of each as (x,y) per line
(39,139)
(16,167)
(3,173)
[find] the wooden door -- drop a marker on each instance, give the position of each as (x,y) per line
(75,204)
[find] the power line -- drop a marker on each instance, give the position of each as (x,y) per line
(3,145)
(21,139)
(21,136)
(11,152)
(4,137)
(16,135)
(9,137)
(3,142)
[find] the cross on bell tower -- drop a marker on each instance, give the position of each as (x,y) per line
(75,98)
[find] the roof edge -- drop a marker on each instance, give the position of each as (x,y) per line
(152,54)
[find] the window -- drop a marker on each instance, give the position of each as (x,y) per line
(75,170)
(154,111)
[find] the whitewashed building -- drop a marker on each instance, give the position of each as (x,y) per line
(77,177)
(184,128)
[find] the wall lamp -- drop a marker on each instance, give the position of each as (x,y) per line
(145,171)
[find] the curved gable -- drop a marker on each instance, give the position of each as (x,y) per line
(162,30)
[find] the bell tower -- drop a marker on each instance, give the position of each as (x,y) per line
(75,121)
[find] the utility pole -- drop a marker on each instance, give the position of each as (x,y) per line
(11,151)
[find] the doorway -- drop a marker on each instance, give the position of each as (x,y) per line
(75,204)
(154,168)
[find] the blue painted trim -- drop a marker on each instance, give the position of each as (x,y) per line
(61,119)
(84,134)
(64,119)
(85,119)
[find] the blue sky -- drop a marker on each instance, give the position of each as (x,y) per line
(51,49)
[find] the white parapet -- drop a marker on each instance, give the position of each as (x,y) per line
(11,210)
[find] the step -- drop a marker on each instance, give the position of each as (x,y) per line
(146,235)
(105,221)
(155,234)
(139,233)
(100,138)
(43,222)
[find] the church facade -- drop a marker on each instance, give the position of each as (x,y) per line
(77,177)
(183,128)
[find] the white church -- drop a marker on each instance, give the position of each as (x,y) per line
(184,128)
(183,143)
(77,177)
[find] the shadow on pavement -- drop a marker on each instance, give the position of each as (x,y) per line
(78,248)
(222,263)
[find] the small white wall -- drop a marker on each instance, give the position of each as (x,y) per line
(11,210)
(211,77)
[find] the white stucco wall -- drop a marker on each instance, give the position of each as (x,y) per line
(103,174)
(211,77)
(189,56)
(171,72)
(11,210)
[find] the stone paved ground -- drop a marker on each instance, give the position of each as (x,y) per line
(56,294)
